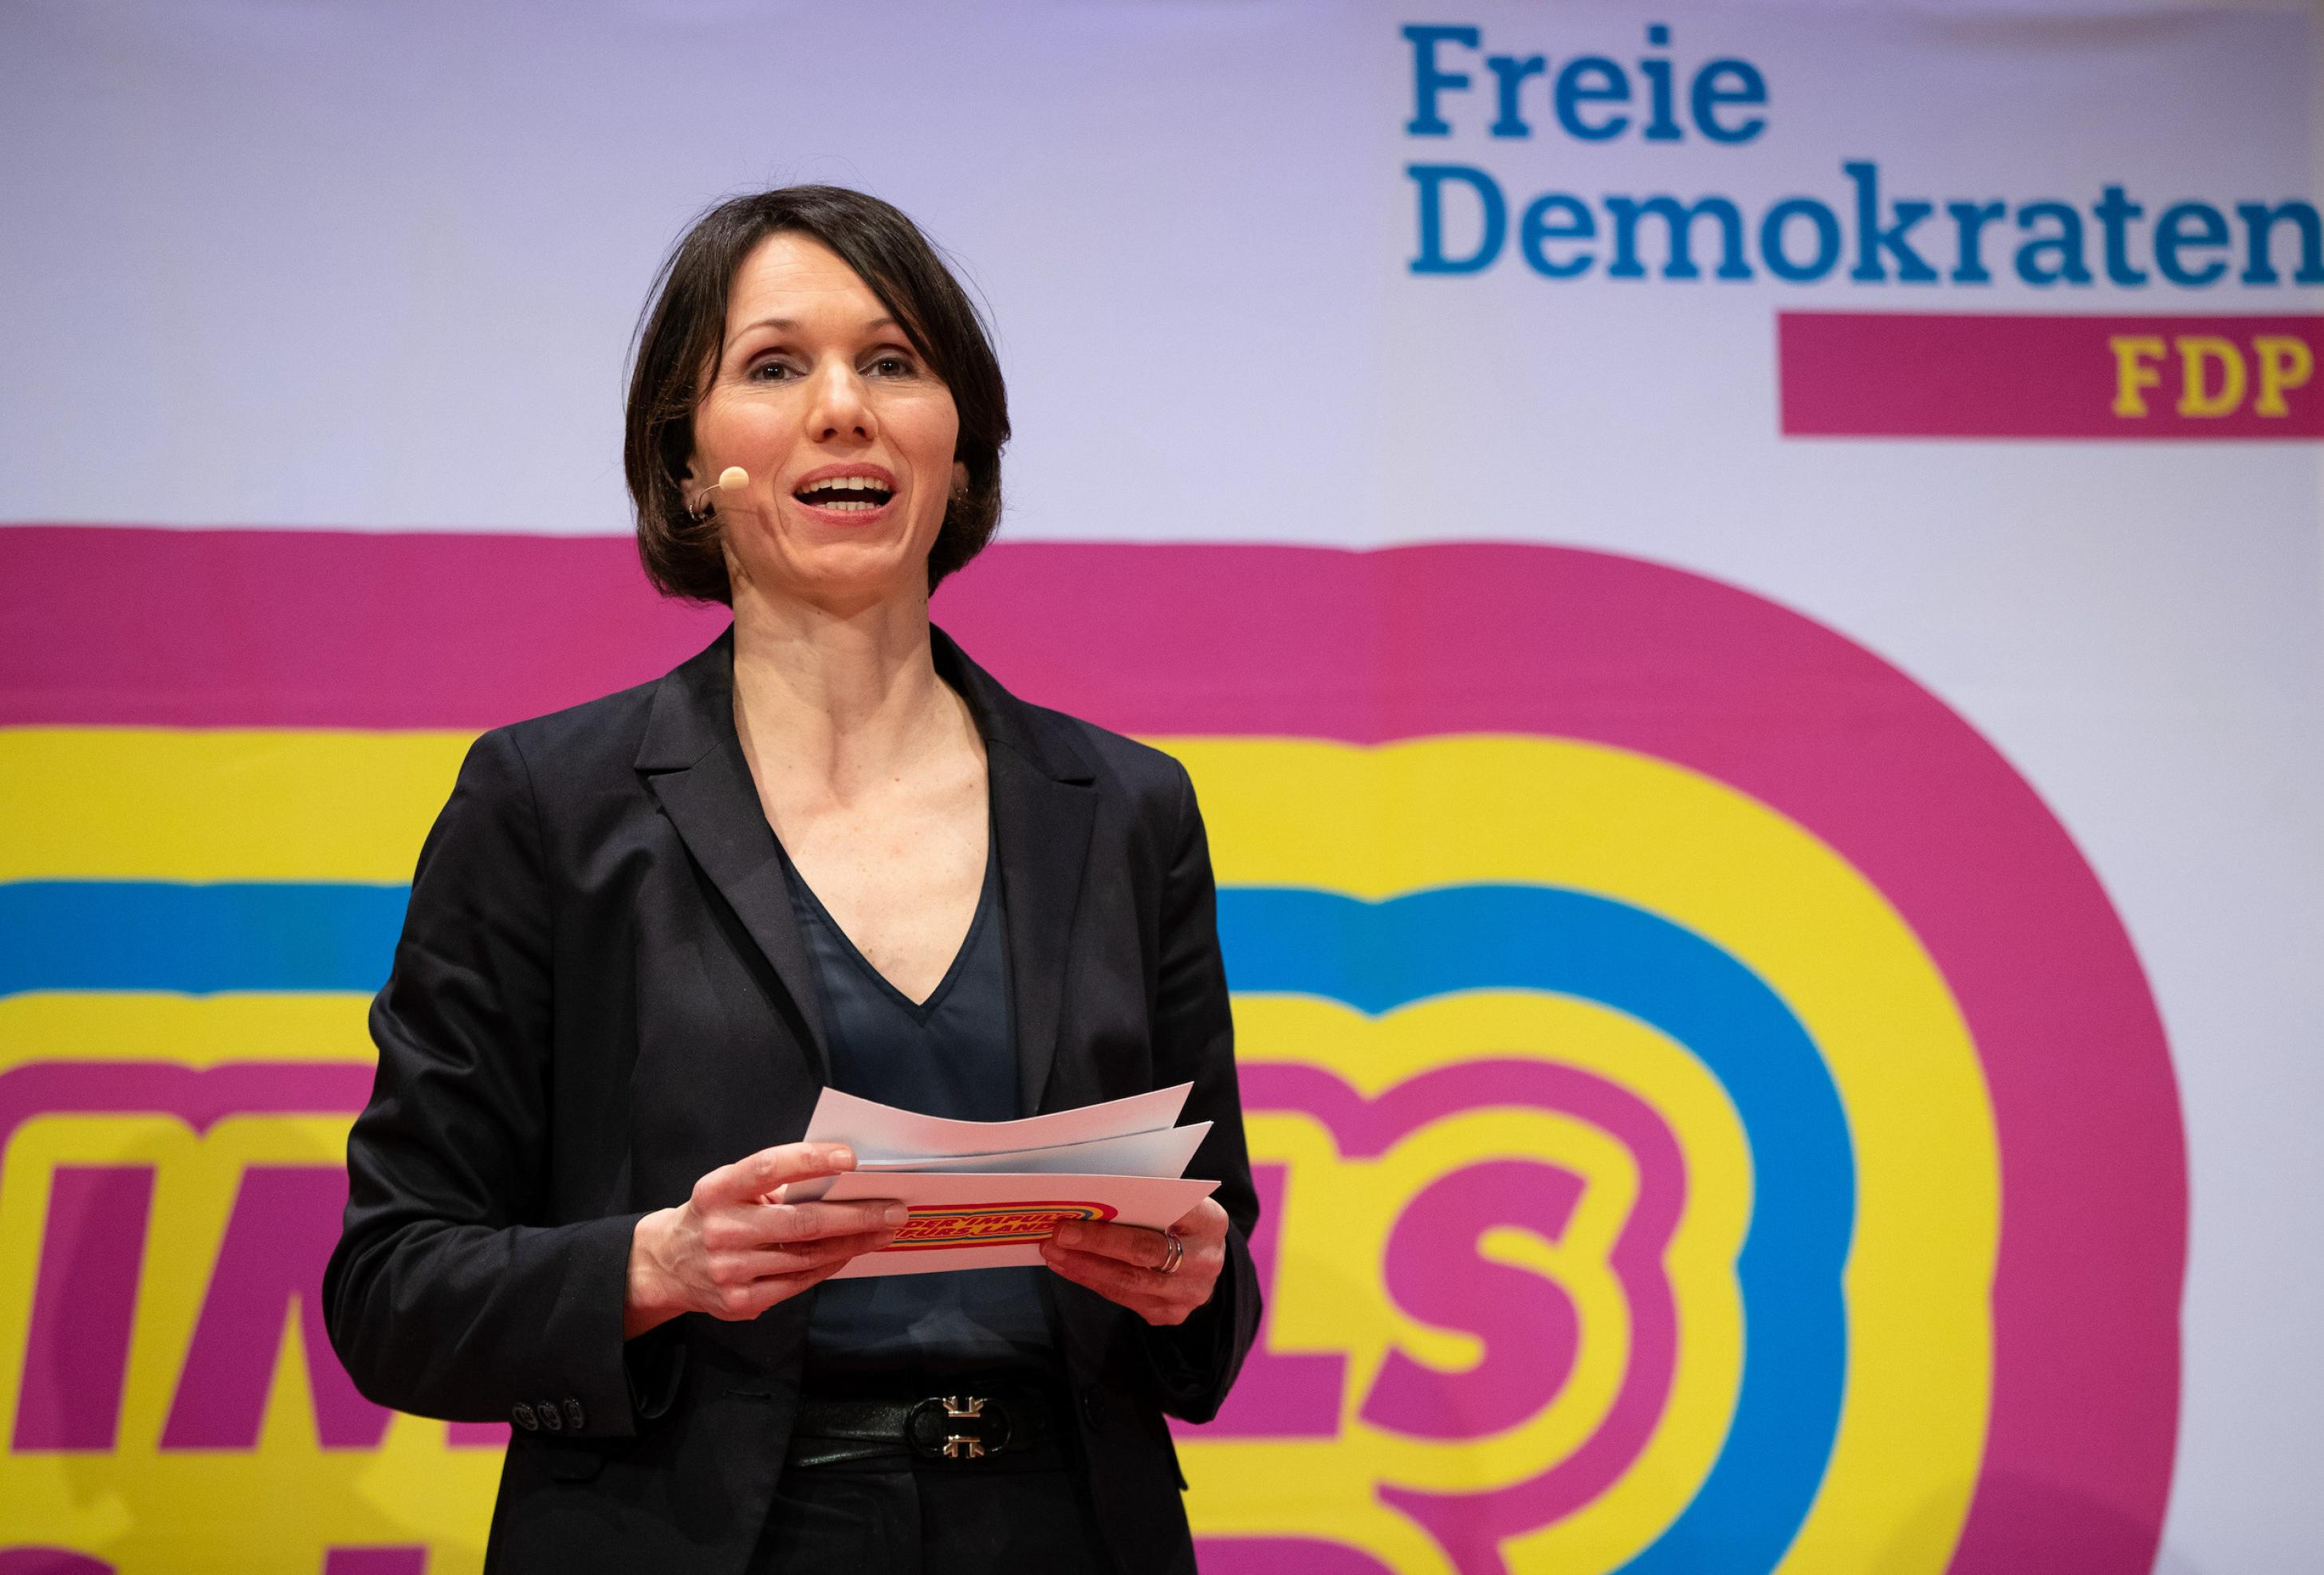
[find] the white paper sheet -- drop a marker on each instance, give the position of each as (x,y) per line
(1141,1153)
(972,1220)
(879,1132)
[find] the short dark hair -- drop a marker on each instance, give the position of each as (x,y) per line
(679,337)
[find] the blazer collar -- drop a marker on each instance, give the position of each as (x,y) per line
(692,760)
(1044,808)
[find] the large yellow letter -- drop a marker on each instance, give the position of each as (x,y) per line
(2131,371)
(2284,362)
(2195,397)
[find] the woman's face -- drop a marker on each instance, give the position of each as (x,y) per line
(848,436)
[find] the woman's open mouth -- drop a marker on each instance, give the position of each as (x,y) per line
(846,495)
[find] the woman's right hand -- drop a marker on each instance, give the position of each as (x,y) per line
(735,1248)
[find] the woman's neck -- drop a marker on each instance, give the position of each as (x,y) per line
(834,702)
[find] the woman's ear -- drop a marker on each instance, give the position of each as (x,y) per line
(959,478)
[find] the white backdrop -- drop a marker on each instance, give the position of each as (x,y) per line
(376,267)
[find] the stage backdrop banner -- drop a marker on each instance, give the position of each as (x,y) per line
(1740,589)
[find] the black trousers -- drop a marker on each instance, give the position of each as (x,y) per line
(906,1518)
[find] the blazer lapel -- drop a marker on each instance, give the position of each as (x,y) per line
(692,761)
(1044,807)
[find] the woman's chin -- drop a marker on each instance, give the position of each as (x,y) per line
(847,577)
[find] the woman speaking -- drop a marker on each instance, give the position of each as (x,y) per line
(645,932)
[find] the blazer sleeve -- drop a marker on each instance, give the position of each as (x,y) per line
(1195,1363)
(447,1294)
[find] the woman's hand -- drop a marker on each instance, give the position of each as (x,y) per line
(1123,1264)
(735,1248)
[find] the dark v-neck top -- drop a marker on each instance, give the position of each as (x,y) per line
(953,1054)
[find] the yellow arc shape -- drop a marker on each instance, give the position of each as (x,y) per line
(222,804)
(1377,821)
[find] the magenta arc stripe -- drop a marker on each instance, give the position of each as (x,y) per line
(127,626)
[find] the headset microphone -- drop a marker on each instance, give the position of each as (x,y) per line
(733,483)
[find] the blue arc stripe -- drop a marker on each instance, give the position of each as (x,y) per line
(1377,956)
(197,939)
(201,939)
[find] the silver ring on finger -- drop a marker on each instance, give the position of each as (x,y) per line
(1174,1251)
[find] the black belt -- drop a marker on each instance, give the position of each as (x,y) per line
(969,1425)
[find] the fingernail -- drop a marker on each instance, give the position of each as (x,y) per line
(1066,1236)
(844,1158)
(896,1214)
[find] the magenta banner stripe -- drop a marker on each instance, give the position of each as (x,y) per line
(127,626)
(1959,374)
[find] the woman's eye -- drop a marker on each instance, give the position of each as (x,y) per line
(891,366)
(769,372)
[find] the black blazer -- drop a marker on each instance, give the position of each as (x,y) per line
(599,994)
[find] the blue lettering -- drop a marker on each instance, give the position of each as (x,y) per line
(2114,212)
(1969,220)
(1750,88)
(1872,239)
(1679,219)
(1429,79)
(1772,229)
(1578,225)
(1662,127)
(2259,224)
(1495,229)
(2172,238)
(2069,266)
(1591,79)
(1510,72)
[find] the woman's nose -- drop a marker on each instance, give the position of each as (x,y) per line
(838,410)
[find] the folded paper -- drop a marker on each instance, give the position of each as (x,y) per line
(987,1194)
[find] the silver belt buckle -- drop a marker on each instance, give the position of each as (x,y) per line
(958,1428)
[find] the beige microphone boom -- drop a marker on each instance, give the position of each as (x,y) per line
(732,481)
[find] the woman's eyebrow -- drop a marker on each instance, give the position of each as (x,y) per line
(786,324)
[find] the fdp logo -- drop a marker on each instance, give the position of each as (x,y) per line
(1709,1116)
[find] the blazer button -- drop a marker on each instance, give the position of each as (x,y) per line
(574,1416)
(551,1417)
(522,1415)
(1094,1407)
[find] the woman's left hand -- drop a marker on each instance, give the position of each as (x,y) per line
(1124,1264)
